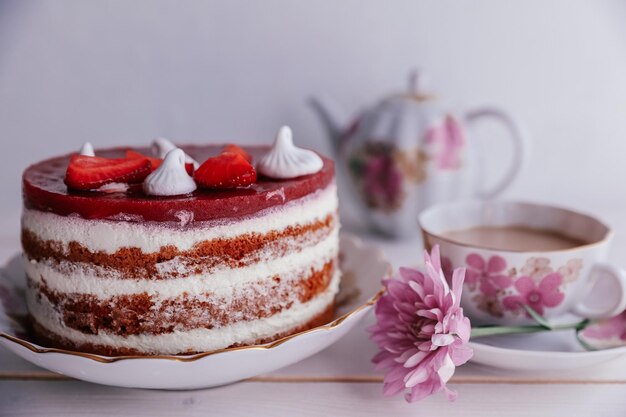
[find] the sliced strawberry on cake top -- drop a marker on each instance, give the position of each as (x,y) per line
(232,148)
(155,162)
(227,170)
(92,172)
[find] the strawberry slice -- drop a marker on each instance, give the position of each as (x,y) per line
(227,170)
(232,148)
(154,162)
(91,172)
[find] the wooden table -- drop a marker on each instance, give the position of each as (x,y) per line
(336,382)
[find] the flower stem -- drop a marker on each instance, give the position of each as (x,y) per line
(502,330)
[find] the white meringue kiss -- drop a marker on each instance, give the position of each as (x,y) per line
(170,178)
(162,146)
(285,160)
(87,150)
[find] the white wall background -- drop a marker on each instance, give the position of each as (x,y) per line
(122,72)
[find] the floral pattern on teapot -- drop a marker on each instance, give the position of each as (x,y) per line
(381,170)
(448,137)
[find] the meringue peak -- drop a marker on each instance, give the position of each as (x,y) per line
(87,149)
(161,147)
(171,177)
(284,137)
(285,160)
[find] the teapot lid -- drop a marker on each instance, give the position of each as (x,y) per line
(416,84)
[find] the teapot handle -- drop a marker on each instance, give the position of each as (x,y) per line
(519,137)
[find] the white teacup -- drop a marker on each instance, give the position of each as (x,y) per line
(555,283)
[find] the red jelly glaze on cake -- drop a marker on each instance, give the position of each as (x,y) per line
(44,190)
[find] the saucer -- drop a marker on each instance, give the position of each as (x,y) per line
(362,268)
(539,352)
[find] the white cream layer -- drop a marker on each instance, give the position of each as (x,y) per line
(221,282)
(197,340)
(109,236)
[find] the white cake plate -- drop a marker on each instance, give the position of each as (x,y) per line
(362,268)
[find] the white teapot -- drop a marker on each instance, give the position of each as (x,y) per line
(406,153)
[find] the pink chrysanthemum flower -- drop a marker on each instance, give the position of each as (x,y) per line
(421,331)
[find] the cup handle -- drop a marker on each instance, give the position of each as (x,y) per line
(618,276)
(517,134)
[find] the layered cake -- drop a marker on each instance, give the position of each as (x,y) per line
(127,253)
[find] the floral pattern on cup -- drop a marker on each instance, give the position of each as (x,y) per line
(488,274)
(498,289)
(536,295)
(536,268)
(491,305)
(571,270)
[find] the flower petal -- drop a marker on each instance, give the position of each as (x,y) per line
(550,283)
(487,288)
(496,264)
(415,377)
(472,276)
(423,390)
(442,339)
(419,290)
(502,281)
(513,302)
(396,374)
(406,355)
(428,329)
(524,285)
(446,370)
(552,299)
(460,354)
(458,276)
(434,258)
(606,329)
(391,389)
(450,395)
(415,359)
(432,314)
(395,288)
(475,261)
(461,326)
(410,274)
(435,276)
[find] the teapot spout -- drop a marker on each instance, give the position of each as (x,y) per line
(332,117)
